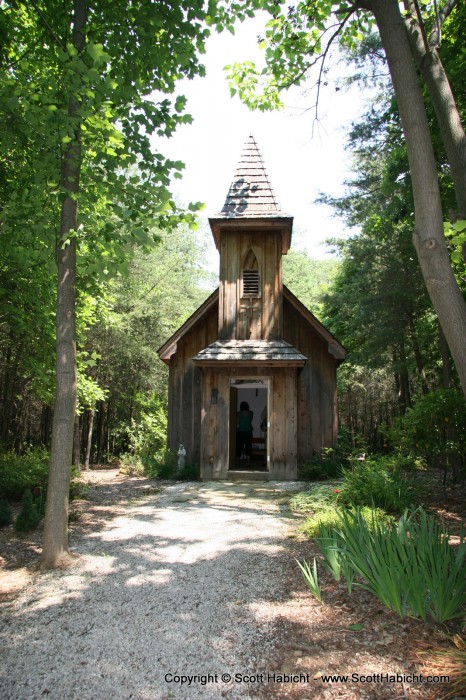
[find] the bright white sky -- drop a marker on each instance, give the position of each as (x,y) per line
(301,158)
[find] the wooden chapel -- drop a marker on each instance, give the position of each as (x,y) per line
(252,340)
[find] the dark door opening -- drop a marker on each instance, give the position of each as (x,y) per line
(248,453)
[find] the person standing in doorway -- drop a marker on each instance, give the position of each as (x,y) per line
(244,432)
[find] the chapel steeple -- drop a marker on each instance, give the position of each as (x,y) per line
(250,192)
(251,233)
(267,350)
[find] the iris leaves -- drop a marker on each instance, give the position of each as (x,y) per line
(411,568)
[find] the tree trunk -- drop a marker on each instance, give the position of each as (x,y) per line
(444,104)
(101,431)
(402,379)
(445,354)
(76,442)
(417,353)
(55,548)
(5,400)
(428,236)
(45,421)
(89,439)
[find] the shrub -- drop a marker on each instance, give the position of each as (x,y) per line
(79,487)
(434,428)
(332,460)
(28,517)
(6,516)
(315,525)
(131,465)
(382,482)
(161,464)
(320,468)
(322,503)
(147,434)
(164,465)
(20,472)
(330,518)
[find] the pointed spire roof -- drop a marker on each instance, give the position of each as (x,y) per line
(251,202)
(251,194)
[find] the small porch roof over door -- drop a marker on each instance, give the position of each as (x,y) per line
(249,353)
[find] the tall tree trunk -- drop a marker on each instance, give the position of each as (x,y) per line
(444,104)
(89,439)
(45,421)
(417,353)
(76,442)
(5,398)
(101,431)
(445,354)
(428,236)
(402,378)
(55,548)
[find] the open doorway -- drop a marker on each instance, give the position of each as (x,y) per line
(248,453)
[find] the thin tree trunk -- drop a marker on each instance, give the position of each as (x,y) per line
(45,425)
(428,236)
(89,439)
(76,442)
(445,354)
(417,354)
(55,544)
(5,399)
(101,432)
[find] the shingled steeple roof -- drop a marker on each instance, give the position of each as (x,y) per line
(251,202)
(250,194)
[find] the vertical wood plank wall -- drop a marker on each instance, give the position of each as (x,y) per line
(302,405)
(235,246)
(185,389)
(317,385)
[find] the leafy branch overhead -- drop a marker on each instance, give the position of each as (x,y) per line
(299,38)
(87,95)
(119,83)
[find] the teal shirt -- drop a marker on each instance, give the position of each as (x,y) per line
(245,422)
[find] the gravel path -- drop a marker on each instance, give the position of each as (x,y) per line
(174,584)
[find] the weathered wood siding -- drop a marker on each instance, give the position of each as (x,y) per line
(216,420)
(302,403)
(283,431)
(316,387)
(185,388)
(235,246)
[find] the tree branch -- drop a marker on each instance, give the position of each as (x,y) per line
(435,38)
(323,56)
(421,25)
(47,25)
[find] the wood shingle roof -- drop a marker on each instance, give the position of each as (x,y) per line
(250,193)
(265,352)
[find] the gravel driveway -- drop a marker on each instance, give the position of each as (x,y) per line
(169,597)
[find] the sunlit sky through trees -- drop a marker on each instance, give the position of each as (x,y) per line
(303,157)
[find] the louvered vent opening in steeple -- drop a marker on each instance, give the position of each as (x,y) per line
(250,283)
(251,276)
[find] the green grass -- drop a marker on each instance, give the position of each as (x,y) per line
(319,497)
(322,505)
